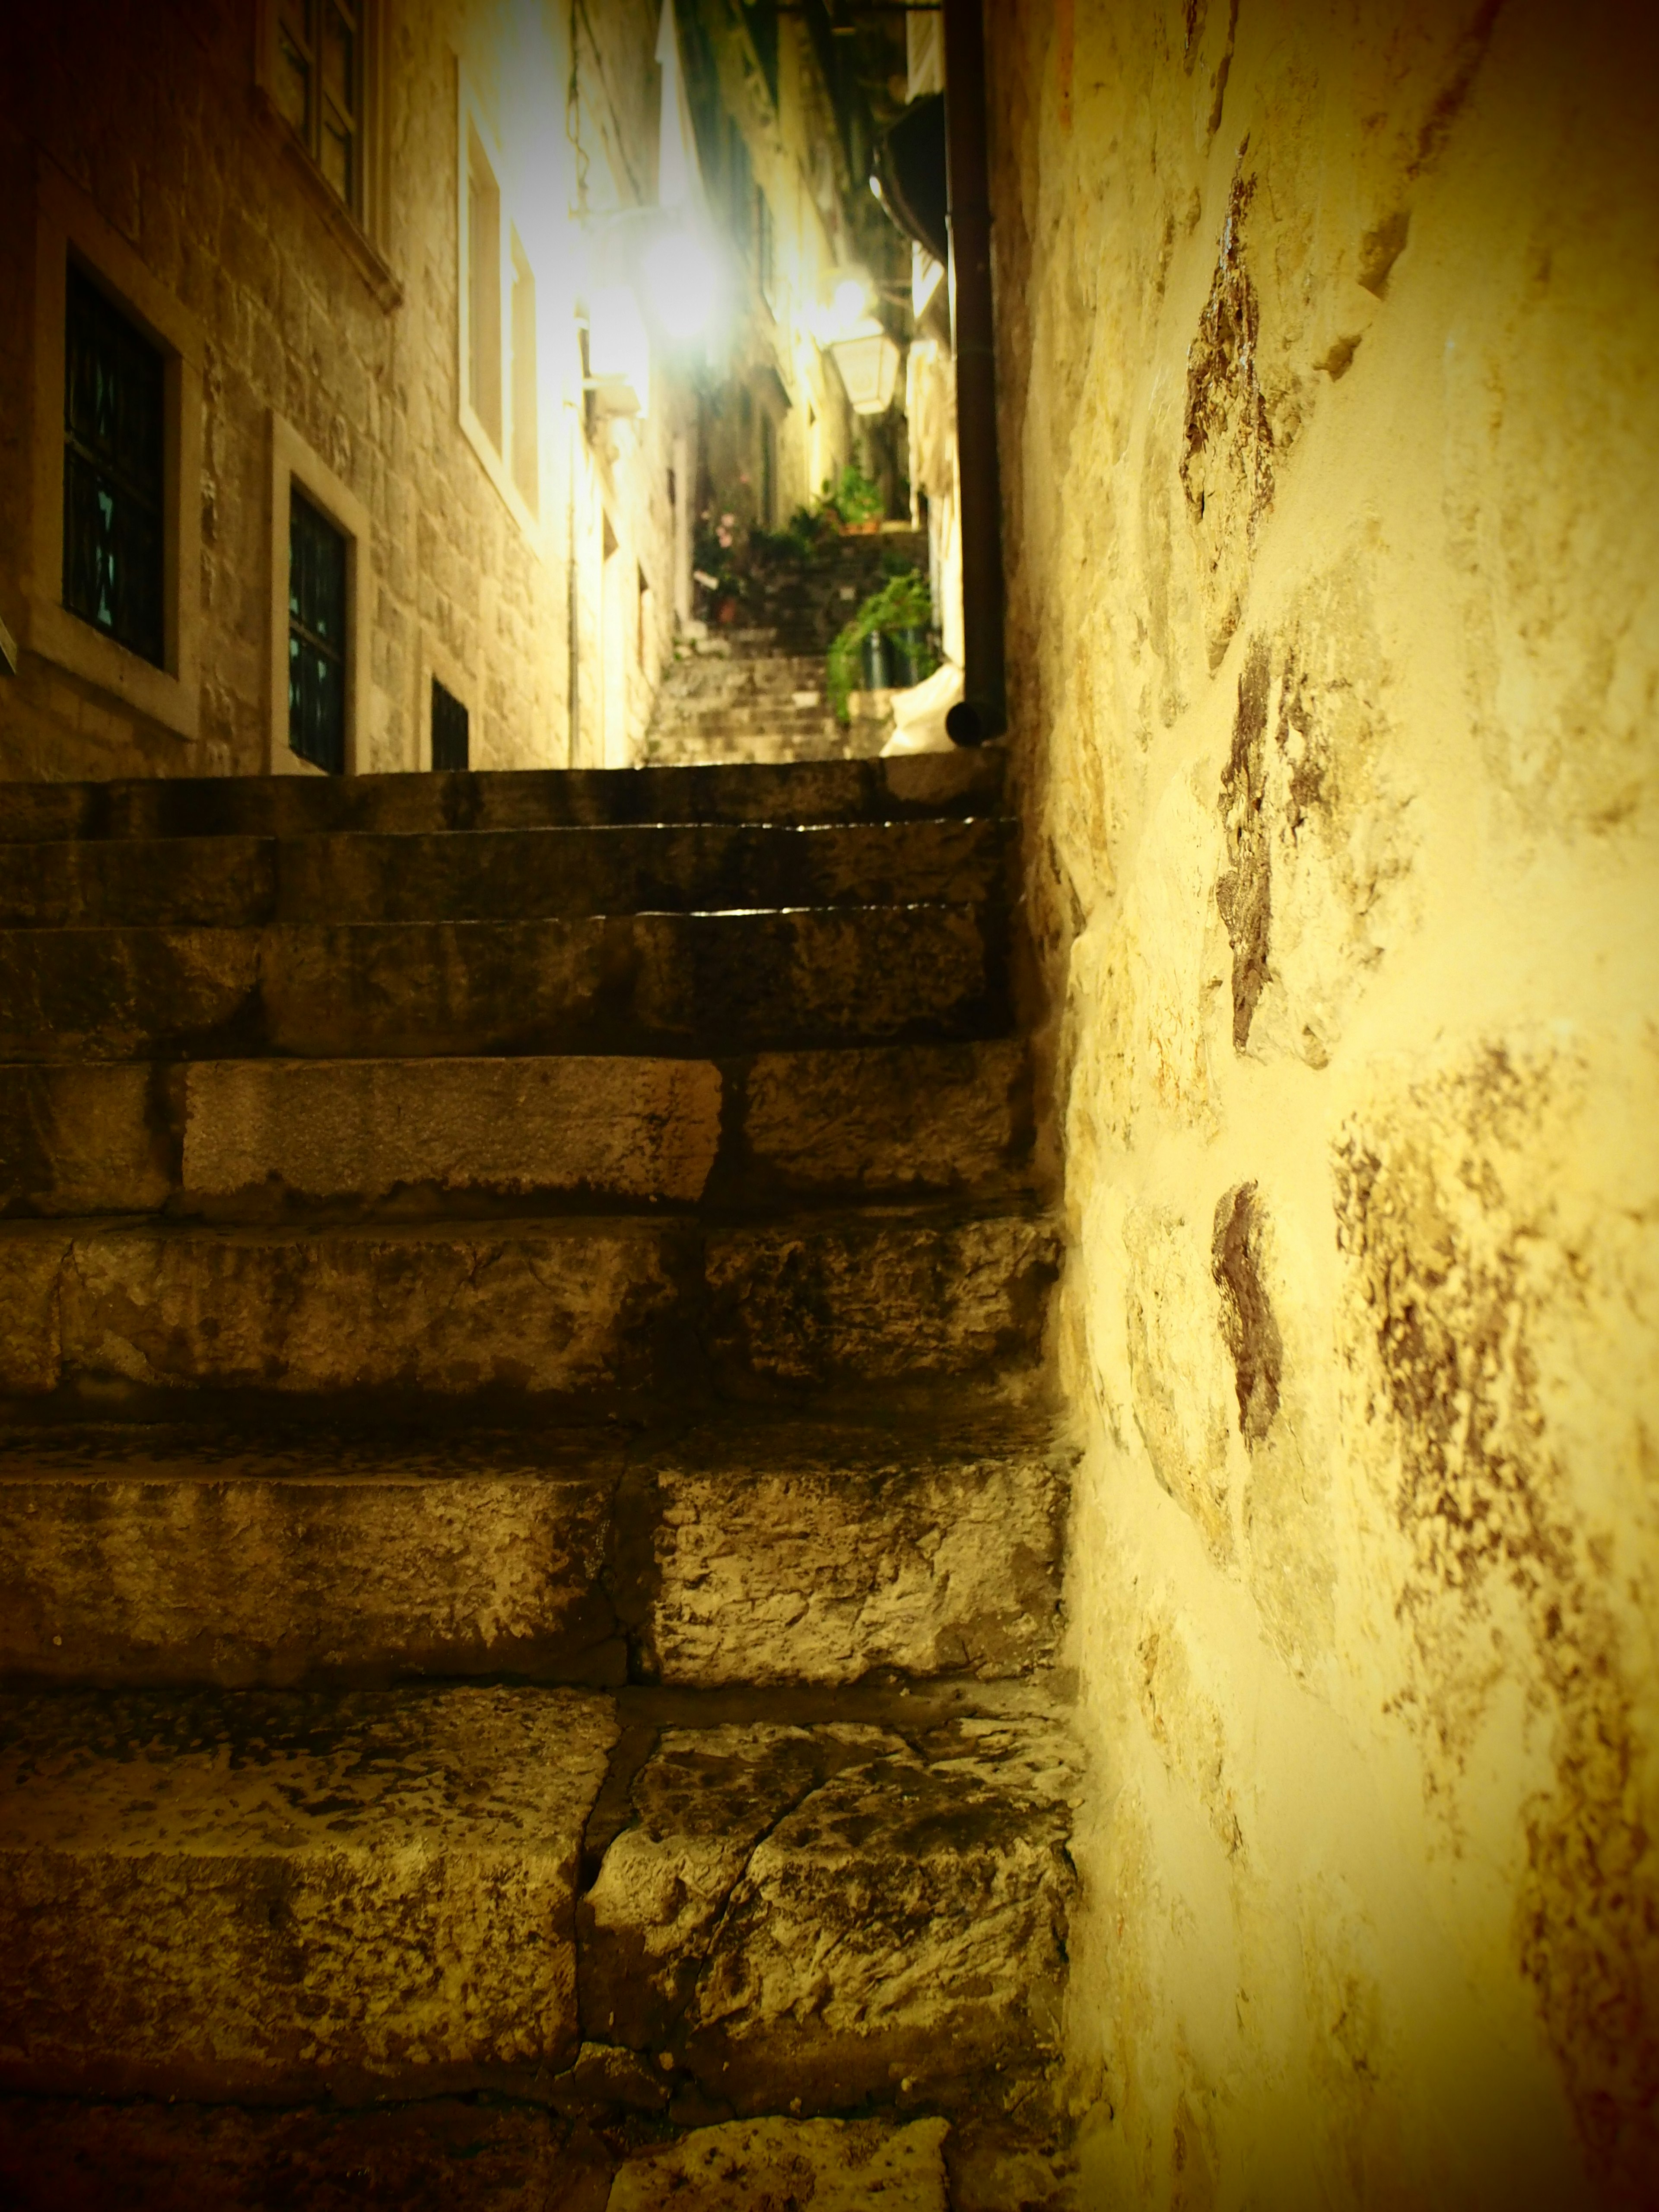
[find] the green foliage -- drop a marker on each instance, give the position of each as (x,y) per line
(903,602)
(851,496)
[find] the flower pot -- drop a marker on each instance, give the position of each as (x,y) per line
(910,655)
(878,667)
(726,611)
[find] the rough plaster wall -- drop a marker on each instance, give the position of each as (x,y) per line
(152,113)
(1328,343)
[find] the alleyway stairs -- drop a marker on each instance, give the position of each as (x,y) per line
(529,1529)
(755,690)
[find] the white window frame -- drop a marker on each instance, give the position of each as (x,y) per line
(67,223)
(497,463)
(294,462)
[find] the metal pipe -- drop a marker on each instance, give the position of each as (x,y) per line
(982,712)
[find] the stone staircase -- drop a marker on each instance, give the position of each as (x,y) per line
(530,1533)
(758,694)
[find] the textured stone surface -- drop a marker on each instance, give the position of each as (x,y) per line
(506,875)
(285,805)
(583,1308)
(934,1116)
(127,1557)
(622,1129)
(63,2156)
(542,1308)
(234,1892)
(1326,350)
(624,983)
(886,1300)
(831,1912)
(771,2165)
(832,1554)
(247,1139)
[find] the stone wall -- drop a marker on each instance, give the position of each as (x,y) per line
(154,116)
(1326,346)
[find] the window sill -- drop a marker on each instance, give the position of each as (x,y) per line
(376,271)
(68,643)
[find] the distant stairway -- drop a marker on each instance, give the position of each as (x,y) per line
(530,1538)
(758,693)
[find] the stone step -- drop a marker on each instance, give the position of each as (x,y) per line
(292,806)
(266,1894)
(760,1552)
(902,1302)
(214,1896)
(255,1139)
(645,983)
(73,2154)
(510,875)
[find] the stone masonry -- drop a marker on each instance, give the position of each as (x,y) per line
(532,1528)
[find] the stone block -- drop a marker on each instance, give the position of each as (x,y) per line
(138,1558)
(836,1914)
(887,1298)
(834,2166)
(367,1129)
(830,1556)
(539,1308)
(886,1117)
(265,1893)
(90,1139)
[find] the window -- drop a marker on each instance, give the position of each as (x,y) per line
(316,637)
(765,249)
(114,446)
(740,188)
(114,561)
(318,691)
(483,247)
(769,470)
(318,88)
(498,349)
(449,729)
(525,458)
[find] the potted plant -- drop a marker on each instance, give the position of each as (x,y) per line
(854,500)
(903,608)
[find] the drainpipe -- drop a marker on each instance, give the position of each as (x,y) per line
(982,712)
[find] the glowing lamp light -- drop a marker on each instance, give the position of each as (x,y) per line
(868,360)
(683,282)
(618,350)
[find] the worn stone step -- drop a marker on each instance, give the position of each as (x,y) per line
(74,2154)
(292,805)
(262,1138)
(262,1894)
(638,983)
(566,1311)
(216,1896)
(498,875)
(749,1551)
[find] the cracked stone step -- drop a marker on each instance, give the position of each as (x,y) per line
(258,1138)
(216,1896)
(764,1554)
(513,875)
(628,983)
(292,805)
(602,1312)
(838,1913)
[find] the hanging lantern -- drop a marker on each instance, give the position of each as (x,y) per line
(868,360)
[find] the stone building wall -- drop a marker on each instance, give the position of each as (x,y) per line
(1332,469)
(153,118)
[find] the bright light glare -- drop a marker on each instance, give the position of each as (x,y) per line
(851,299)
(683,282)
(617,342)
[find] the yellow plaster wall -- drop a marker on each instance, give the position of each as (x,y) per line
(1331,452)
